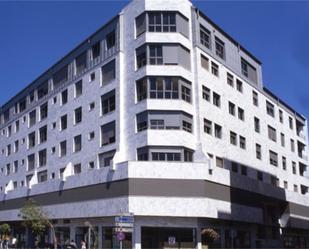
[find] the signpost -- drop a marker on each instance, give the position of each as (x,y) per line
(123,224)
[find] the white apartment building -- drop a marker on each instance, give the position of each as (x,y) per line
(162,116)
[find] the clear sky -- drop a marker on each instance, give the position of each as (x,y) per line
(34,35)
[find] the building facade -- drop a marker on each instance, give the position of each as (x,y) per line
(162,116)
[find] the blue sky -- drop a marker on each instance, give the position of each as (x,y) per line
(34,35)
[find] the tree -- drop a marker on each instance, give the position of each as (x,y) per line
(5,230)
(36,219)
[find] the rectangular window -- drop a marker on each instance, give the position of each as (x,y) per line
(43,90)
(96,50)
(282,139)
(260,175)
(157,124)
(230,79)
(239,86)
(204,62)
(16,145)
(216,99)
(78,115)
(44,111)
(169,22)
(243,170)
(273,158)
(186,93)
(272,134)
(205,37)
(188,156)
(220,50)
(64,122)
(105,159)
(292,145)
(294,168)
(231,108)
(78,88)
(140,24)
(43,134)
(284,163)
(218,131)
(214,69)
(258,151)
(15,169)
(234,167)
(248,70)
(233,138)
(81,63)
(242,142)
(154,22)
(110,40)
(186,126)
(257,125)
(77,169)
(207,126)
(155,55)
(32,118)
(241,114)
(108,133)
(22,105)
(64,97)
(60,77)
(31,162)
(42,158)
(17,126)
(77,143)
(63,148)
(219,162)
(141,89)
(291,123)
(270,109)
(31,140)
(42,176)
(281,116)
(141,56)
(108,102)
(108,72)
(206,93)
(255,98)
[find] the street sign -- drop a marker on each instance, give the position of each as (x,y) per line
(121,236)
(124,229)
(123,224)
(171,240)
(124,219)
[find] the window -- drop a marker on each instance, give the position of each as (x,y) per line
(281,116)
(169,22)
(31,140)
(255,98)
(63,122)
(78,115)
(22,106)
(110,40)
(8,169)
(91,135)
(234,167)
(63,148)
(216,99)
(204,62)
(92,77)
(258,151)
(207,126)
(274,181)
(241,114)
(96,50)
(108,72)
(284,163)
(291,123)
(188,156)
(78,88)
(43,90)
(42,176)
(294,168)
(64,97)
(186,126)
(205,37)
(77,143)
(81,63)
(256,124)
(8,150)
(186,93)
(273,158)
(214,69)
(15,169)
(231,108)
(108,134)
(165,156)
(155,55)
(285,184)
(242,142)
(17,126)
(248,70)
(260,175)
(219,162)
(91,165)
(9,131)
(77,169)
(295,188)
(272,134)
(55,100)
(157,124)
(141,56)
(43,134)
(292,145)
(220,50)
(218,131)
(16,146)
(233,138)
(42,158)
(282,138)
(60,77)
(108,102)
(43,111)
(171,88)
(105,159)
(243,170)
(141,89)
(154,22)
(31,162)
(239,86)
(91,106)
(230,79)
(32,118)
(270,109)
(140,23)
(206,93)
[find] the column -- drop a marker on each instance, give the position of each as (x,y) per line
(137,237)
(198,238)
